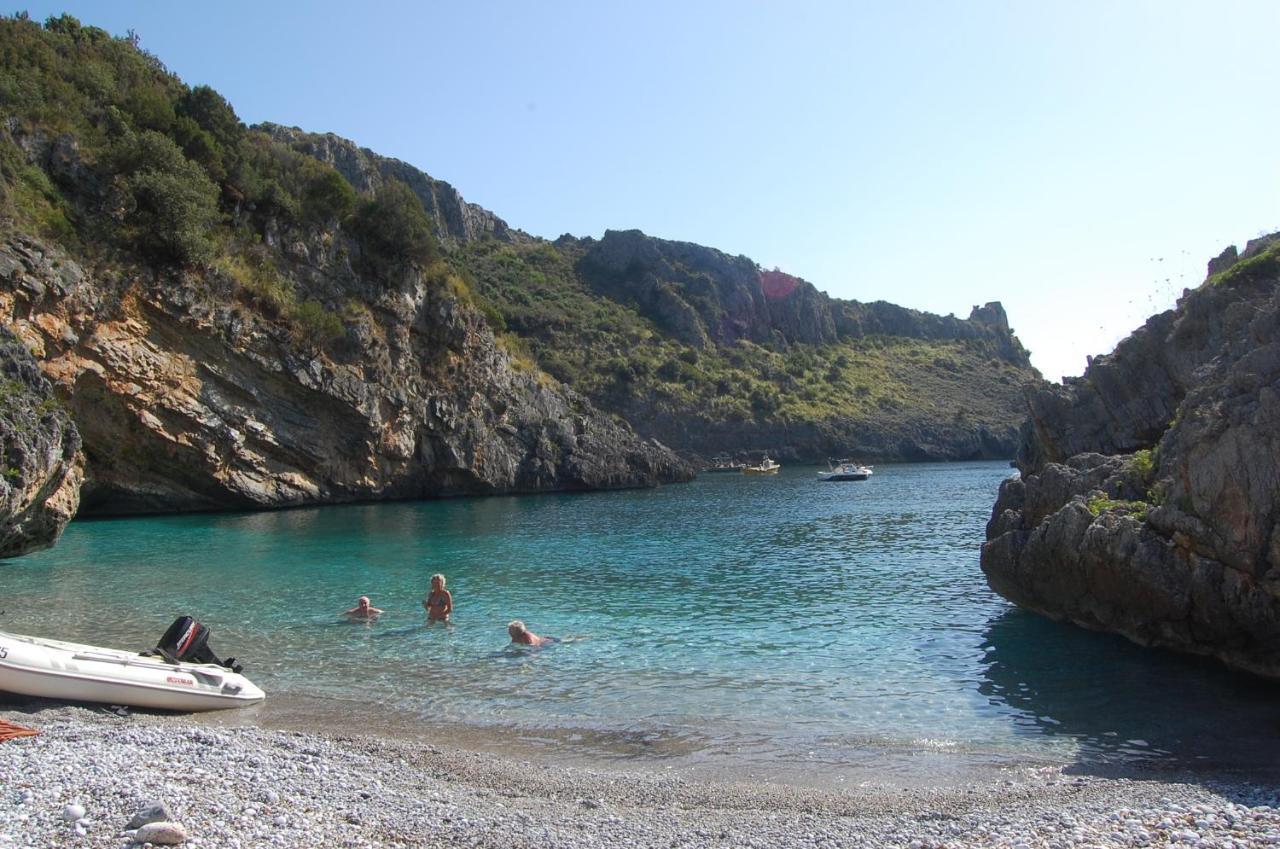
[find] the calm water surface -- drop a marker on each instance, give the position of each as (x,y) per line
(779,617)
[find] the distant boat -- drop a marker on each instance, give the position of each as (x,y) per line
(764,467)
(845,470)
(724,463)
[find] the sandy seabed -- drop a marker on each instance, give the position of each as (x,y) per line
(243,785)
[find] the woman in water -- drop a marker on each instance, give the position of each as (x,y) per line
(439,602)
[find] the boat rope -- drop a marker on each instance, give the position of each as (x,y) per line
(9,731)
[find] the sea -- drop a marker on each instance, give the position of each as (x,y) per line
(765,627)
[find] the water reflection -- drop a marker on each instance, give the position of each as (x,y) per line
(1126,705)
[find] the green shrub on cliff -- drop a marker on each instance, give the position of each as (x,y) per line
(171,205)
(1263,267)
(316,327)
(394,229)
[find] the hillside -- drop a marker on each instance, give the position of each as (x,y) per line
(231,324)
(258,316)
(710,353)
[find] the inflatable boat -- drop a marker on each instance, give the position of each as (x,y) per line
(180,674)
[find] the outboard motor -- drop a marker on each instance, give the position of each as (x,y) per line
(188,641)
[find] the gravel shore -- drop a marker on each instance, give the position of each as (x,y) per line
(89,771)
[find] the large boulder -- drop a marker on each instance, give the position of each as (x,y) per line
(1149,499)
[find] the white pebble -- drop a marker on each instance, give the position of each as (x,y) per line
(73,812)
(166,833)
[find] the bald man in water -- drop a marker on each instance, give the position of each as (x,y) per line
(522,635)
(363,611)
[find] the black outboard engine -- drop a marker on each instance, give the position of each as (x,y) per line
(188,641)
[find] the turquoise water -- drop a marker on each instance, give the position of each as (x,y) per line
(761,615)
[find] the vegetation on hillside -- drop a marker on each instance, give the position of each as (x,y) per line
(622,361)
(157,172)
(106,152)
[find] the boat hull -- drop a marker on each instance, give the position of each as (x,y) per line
(51,669)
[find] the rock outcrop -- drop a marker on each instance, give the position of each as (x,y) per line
(188,400)
(1149,500)
(701,295)
(41,468)
(454,218)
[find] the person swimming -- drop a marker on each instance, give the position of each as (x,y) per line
(363,611)
(439,602)
(523,636)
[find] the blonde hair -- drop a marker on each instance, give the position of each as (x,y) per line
(440,577)
(517,626)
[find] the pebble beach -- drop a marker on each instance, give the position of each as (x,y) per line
(89,772)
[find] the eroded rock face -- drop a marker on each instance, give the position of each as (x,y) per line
(187,400)
(41,468)
(1149,499)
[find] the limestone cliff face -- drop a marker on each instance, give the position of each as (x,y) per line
(41,467)
(186,400)
(1149,502)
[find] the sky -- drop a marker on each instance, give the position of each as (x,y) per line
(1079,162)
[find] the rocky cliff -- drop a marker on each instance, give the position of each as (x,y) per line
(40,468)
(1149,500)
(702,296)
(187,399)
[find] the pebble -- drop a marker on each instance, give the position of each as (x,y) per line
(474,799)
(151,812)
(73,812)
(164,833)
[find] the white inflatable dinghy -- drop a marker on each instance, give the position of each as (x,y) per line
(51,669)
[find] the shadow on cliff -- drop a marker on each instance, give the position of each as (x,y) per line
(1130,708)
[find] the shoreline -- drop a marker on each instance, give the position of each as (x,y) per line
(238,784)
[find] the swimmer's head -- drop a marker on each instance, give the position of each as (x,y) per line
(437,579)
(363,601)
(515,628)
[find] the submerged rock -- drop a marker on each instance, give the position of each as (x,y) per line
(1149,498)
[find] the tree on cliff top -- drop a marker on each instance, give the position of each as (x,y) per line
(394,229)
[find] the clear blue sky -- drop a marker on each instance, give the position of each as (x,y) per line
(1079,162)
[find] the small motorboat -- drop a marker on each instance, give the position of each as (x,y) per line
(764,467)
(180,674)
(845,470)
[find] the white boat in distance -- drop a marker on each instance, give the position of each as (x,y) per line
(765,467)
(52,669)
(845,470)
